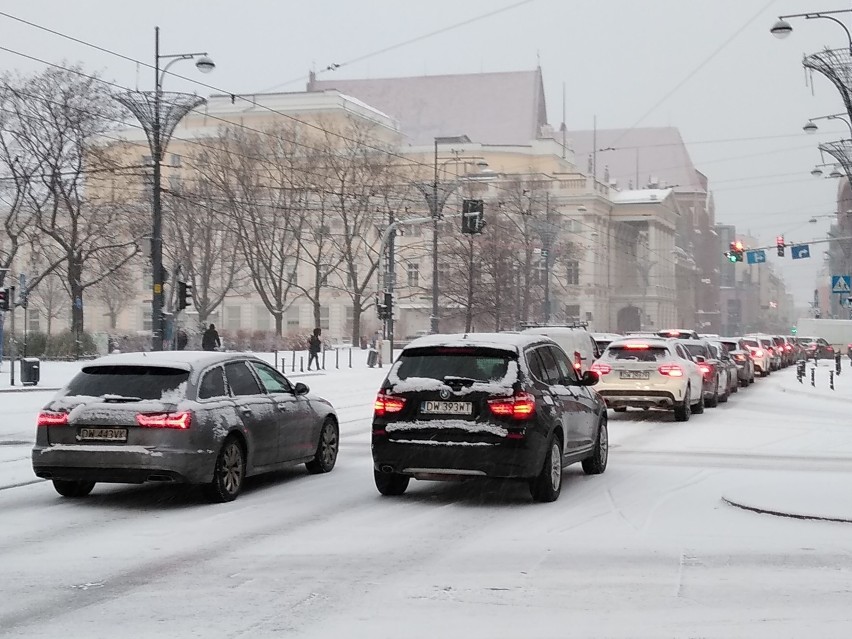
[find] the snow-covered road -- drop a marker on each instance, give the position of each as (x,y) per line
(648,549)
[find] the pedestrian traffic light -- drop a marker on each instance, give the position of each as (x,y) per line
(184,295)
(4,299)
(473,214)
(779,242)
(794,330)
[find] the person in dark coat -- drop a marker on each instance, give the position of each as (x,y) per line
(314,348)
(210,340)
(182,339)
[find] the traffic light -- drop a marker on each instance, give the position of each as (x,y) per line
(184,295)
(4,299)
(473,214)
(388,305)
(794,330)
(779,242)
(381,308)
(736,252)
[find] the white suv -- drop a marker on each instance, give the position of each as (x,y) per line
(650,373)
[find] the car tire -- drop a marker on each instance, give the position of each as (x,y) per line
(229,472)
(723,398)
(713,400)
(545,488)
(683,410)
(73,489)
(595,463)
(620,409)
(327,449)
(735,387)
(698,409)
(391,484)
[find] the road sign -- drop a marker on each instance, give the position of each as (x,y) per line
(841,284)
(755,257)
(800,251)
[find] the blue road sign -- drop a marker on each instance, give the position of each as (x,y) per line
(800,251)
(841,284)
(755,257)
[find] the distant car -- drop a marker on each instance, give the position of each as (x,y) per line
(605,339)
(508,405)
(741,356)
(653,372)
(577,343)
(190,417)
(726,362)
(679,333)
(818,348)
(768,344)
(759,355)
(716,375)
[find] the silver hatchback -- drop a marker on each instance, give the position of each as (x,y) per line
(188,417)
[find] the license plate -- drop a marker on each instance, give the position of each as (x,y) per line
(635,375)
(446,408)
(102,435)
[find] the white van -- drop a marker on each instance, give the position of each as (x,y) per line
(578,343)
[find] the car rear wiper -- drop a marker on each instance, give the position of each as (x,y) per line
(463,381)
(119,399)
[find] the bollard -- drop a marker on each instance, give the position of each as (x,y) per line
(302,364)
(337,358)
(837,362)
(813,377)
(831,380)
(276,359)
(800,370)
(294,360)
(323,359)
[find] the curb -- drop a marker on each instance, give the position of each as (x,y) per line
(30,389)
(778,513)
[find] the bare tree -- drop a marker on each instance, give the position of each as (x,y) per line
(115,290)
(50,299)
(58,117)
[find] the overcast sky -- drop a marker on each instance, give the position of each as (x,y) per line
(619,59)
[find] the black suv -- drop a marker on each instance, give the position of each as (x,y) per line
(506,405)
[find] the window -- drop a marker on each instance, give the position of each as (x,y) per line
(34,321)
(262,318)
(551,371)
(241,380)
(293,315)
(324,317)
(144,382)
(480,364)
(212,384)
(233,316)
(325,271)
(572,312)
(350,318)
(535,365)
(272,380)
(650,354)
(175,159)
(572,272)
(413,274)
(566,371)
(146,317)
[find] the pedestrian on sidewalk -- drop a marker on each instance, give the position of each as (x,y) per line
(314,348)
(210,340)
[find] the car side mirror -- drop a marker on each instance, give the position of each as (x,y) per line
(589,378)
(301,389)
(700,359)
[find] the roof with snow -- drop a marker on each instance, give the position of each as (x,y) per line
(657,155)
(644,196)
(490,108)
(184,360)
(503,341)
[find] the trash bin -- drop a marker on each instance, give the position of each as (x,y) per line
(30,371)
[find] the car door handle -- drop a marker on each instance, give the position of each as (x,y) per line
(283,405)
(246,410)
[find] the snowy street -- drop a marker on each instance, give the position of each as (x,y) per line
(648,549)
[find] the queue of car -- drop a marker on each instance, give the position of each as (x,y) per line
(512,405)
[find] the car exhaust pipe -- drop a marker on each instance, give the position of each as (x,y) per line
(386,468)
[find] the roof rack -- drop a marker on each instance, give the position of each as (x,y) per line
(551,324)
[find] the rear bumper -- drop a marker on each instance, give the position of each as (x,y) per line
(521,459)
(122,464)
(640,398)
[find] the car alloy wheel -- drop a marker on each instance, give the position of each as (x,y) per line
(229,473)
(595,464)
(548,484)
(327,449)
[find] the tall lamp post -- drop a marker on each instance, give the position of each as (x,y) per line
(159,114)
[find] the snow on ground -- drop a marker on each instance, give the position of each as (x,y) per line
(648,549)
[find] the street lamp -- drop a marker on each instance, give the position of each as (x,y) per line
(159,114)
(811,127)
(781,29)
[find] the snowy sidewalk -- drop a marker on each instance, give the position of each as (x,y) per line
(825,498)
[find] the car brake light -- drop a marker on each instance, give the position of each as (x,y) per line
(388,405)
(705,368)
(758,353)
(740,358)
(519,406)
(46,418)
(179,421)
(672,370)
(636,346)
(788,348)
(601,369)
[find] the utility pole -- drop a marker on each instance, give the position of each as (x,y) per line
(433,209)
(390,278)
(13,355)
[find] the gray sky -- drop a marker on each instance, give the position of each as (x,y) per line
(618,58)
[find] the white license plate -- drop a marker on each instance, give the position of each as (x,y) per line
(635,375)
(446,408)
(102,435)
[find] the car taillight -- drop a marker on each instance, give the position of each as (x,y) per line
(519,406)
(788,348)
(179,421)
(46,418)
(829,348)
(758,353)
(740,358)
(387,405)
(601,369)
(672,370)
(705,368)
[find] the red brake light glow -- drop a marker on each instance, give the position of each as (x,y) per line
(671,370)
(637,347)
(758,353)
(519,406)
(788,348)
(705,368)
(601,369)
(179,421)
(52,419)
(388,405)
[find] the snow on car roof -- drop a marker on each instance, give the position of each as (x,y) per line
(184,360)
(651,341)
(504,341)
(610,336)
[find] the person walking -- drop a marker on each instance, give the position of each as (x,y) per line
(182,339)
(210,340)
(314,348)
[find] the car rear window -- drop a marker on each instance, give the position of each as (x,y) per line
(696,349)
(480,364)
(142,382)
(729,346)
(637,354)
(751,342)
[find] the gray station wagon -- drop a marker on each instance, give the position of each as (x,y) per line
(188,417)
